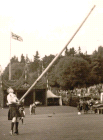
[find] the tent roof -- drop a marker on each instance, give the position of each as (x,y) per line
(51,95)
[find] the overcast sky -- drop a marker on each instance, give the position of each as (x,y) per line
(47,25)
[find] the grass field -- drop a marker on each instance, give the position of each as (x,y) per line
(54,123)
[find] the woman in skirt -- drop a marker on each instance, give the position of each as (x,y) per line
(13,113)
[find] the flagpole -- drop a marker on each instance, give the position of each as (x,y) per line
(16,37)
(10,59)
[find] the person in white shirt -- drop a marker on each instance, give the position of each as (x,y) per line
(13,113)
(32,108)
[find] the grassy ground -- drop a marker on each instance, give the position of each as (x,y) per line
(54,123)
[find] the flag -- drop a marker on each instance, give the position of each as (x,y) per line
(16,37)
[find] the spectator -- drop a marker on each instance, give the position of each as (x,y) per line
(32,108)
(80,107)
(22,111)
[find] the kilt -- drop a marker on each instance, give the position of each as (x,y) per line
(13,111)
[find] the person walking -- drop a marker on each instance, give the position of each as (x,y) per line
(13,113)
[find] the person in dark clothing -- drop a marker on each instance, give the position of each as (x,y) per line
(80,107)
(22,111)
(85,106)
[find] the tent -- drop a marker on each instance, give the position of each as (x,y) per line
(53,99)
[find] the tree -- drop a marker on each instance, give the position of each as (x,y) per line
(17,70)
(14,59)
(47,60)
(79,50)
(52,78)
(70,52)
(100,50)
(34,66)
(72,72)
(96,75)
(27,60)
(22,59)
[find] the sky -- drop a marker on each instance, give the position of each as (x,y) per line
(47,25)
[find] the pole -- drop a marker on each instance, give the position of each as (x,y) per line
(10,59)
(48,67)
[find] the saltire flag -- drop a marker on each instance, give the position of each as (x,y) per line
(16,37)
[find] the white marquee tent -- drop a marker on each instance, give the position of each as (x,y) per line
(51,95)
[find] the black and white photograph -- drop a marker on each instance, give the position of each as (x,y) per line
(51,70)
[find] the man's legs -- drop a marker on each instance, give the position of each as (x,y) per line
(12,125)
(16,126)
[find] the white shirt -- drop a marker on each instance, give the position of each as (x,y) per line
(11,98)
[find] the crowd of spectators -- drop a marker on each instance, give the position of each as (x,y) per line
(92,92)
